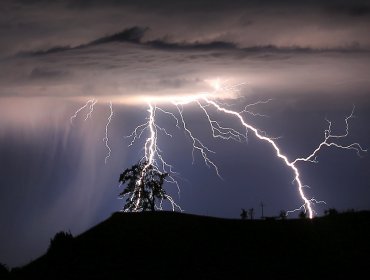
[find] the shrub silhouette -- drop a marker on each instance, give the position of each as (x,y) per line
(331,212)
(302,215)
(61,242)
(282,215)
(3,270)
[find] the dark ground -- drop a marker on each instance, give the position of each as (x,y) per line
(168,245)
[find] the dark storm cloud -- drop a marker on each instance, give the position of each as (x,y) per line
(135,35)
(351,9)
(215,45)
(49,51)
(96,68)
(35,25)
(356,7)
(47,74)
(132,35)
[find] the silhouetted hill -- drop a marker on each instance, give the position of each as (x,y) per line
(181,246)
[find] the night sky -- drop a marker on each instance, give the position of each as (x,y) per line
(312,60)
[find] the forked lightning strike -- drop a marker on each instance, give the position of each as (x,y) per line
(153,157)
(90,105)
(153,154)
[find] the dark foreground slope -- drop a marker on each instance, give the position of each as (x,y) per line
(181,246)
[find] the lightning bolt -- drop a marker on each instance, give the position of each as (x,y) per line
(279,154)
(106,139)
(153,154)
(292,165)
(89,104)
(328,141)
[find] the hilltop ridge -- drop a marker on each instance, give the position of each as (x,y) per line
(163,245)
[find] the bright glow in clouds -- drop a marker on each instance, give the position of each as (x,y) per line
(207,101)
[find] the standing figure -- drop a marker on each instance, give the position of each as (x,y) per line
(244,214)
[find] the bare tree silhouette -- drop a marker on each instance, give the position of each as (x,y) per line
(282,215)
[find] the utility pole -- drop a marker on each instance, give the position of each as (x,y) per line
(251,213)
(262,209)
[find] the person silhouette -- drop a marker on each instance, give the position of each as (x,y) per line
(243,215)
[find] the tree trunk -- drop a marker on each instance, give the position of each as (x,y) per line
(152,204)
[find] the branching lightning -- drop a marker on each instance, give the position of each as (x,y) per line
(328,141)
(152,156)
(207,101)
(90,105)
